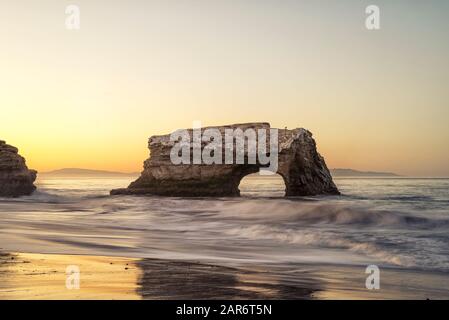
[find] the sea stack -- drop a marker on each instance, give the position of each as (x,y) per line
(303,169)
(15,178)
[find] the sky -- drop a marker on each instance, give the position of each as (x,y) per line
(90,98)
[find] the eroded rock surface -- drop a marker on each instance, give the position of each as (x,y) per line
(15,178)
(303,169)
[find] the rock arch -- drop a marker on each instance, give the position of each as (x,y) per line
(304,170)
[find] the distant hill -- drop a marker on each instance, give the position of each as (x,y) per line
(77,172)
(355,173)
(69,172)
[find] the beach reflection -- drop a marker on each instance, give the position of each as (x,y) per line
(185,280)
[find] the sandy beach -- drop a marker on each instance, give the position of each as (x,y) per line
(43,276)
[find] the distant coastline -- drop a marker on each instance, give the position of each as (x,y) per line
(339,172)
(78,172)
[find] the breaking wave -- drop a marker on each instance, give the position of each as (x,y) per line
(319,240)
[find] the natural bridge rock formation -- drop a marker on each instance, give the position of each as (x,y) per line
(15,178)
(301,166)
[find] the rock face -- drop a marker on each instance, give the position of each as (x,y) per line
(301,166)
(15,178)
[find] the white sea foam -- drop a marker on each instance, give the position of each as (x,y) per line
(364,226)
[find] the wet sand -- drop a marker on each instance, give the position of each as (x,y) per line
(43,276)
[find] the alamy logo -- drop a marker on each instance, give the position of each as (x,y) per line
(234,146)
(72,280)
(372,22)
(72,20)
(373,280)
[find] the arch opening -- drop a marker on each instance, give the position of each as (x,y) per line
(256,185)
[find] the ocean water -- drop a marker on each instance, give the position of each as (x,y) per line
(396,223)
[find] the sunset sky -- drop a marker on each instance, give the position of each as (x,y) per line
(375,100)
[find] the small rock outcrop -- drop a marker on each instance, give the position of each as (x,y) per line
(303,169)
(15,178)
